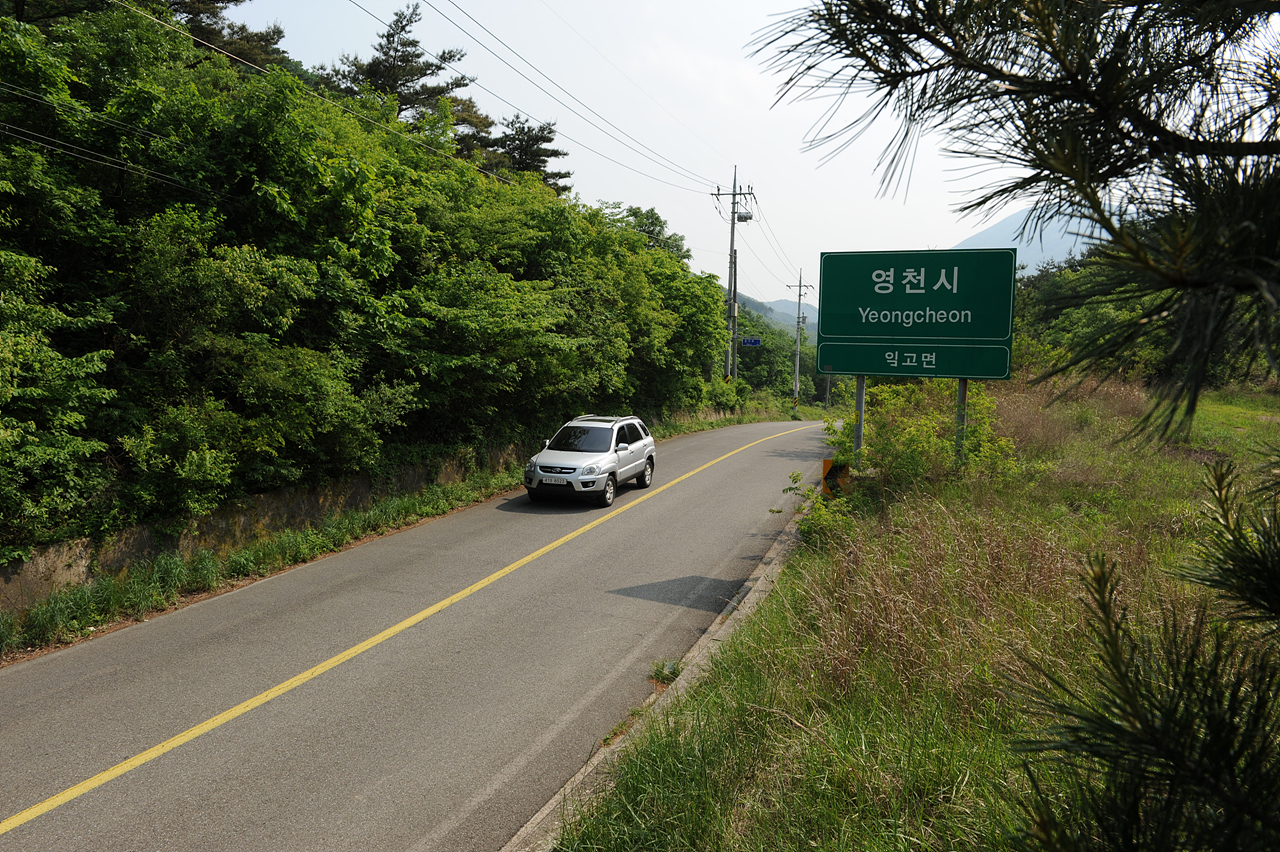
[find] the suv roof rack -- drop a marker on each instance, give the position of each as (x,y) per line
(610,417)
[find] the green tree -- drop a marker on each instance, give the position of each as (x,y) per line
(48,456)
(223,284)
(474,133)
(525,147)
(1156,122)
(399,68)
(652,225)
(771,365)
(46,12)
(208,24)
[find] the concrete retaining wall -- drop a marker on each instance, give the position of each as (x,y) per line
(229,528)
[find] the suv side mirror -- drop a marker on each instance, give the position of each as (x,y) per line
(546,442)
(623,446)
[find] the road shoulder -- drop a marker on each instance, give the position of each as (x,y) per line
(540,832)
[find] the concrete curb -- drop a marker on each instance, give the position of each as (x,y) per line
(539,833)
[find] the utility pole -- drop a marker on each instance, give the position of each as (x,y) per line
(731,303)
(800,321)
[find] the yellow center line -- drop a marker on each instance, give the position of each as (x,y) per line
(349,654)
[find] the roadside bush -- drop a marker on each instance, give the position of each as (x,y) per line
(910,434)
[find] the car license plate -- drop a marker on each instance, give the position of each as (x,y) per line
(554,480)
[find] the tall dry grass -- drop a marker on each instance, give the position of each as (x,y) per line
(874,700)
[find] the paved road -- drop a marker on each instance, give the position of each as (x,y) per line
(399,695)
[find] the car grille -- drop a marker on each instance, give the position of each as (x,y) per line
(557,470)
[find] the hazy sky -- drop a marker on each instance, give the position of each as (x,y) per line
(676,80)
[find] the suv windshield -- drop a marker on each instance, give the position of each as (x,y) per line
(583,439)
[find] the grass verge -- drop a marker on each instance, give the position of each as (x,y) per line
(169,580)
(874,700)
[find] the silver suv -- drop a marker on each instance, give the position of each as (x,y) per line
(590,456)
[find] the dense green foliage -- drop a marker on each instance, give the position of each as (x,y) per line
(911,436)
(217,283)
(1058,306)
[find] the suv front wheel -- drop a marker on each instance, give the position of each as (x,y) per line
(610,490)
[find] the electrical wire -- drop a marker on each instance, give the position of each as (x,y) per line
(365,119)
(78,110)
(752,292)
(674,166)
(637,86)
(763,265)
(494,94)
(98,158)
(317,95)
(775,243)
(769,238)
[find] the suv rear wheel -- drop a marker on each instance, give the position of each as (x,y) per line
(645,479)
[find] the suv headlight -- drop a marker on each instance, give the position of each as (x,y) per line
(530,465)
(591,470)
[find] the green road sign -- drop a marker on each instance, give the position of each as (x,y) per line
(917,313)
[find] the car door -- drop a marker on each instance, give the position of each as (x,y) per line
(630,461)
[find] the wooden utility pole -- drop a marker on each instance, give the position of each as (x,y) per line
(800,319)
(731,302)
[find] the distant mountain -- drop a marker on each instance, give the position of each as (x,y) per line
(1055,243)
(781,312)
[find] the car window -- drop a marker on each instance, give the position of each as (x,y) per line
(633,434)
(581,439)
(644,430)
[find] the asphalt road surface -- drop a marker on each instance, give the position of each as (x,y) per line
(429,690)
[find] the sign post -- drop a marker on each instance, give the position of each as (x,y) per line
(947,314)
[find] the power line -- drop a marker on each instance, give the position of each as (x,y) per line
(763,265)
(98,158)
(77,109)
(526,112)
(754,293)
(315,94)
(674,166)
(365,119)
(637,86)
(782,254)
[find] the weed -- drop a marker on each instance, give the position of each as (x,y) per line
(242,564)
(665,672)
(204,573)
(10,637)
(622,727)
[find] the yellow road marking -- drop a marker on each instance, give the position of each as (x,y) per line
(296,681)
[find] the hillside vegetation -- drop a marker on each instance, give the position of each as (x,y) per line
(217,282)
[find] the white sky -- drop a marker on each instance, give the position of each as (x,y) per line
(676,77)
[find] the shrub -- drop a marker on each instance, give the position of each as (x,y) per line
(910,434)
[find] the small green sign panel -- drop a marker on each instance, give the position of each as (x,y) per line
(917,313)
